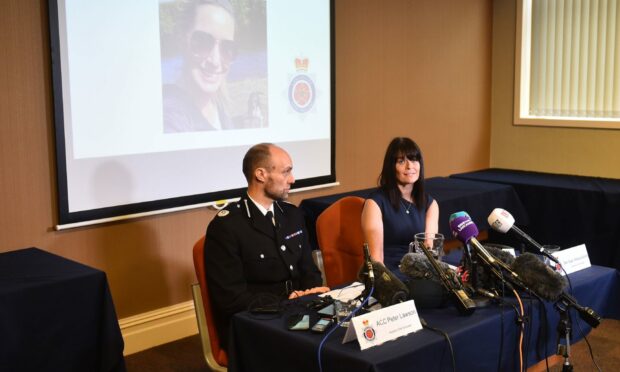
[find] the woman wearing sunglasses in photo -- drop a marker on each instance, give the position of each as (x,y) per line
(198,100)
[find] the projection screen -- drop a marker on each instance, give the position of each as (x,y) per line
(157,101)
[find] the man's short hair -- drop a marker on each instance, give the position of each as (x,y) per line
(257,156)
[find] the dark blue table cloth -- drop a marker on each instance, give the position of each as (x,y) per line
(478,199)
(266,345)
(565,210)
(56,315)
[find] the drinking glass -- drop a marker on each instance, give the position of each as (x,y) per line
(343,310)
(432,241)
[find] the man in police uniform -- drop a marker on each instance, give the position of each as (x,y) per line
(259,245)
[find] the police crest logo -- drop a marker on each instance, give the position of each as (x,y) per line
(369,332)
(301,91)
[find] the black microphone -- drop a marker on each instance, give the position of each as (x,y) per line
(425,286)
(539,277)
(389,290)
(587,314)
(500,254)
(369,269)
(485,279)
(461,300)
(416,266)
(367,273)
(550,285)
(502,221)
(488,294)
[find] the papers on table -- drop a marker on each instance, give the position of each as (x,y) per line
(347,293)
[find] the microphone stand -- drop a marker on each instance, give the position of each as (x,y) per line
(564,332)
(564,328)
(496,266)
(491,268)
(369,279)
(459,297)
(471,262)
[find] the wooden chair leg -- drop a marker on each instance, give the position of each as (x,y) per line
(204,332)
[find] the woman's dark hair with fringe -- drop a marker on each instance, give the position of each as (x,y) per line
(187,12)
(402,147)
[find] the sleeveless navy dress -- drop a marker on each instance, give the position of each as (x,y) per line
(399,227)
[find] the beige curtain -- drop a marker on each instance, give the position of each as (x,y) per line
(575,58)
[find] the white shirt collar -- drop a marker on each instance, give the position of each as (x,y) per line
(261,208)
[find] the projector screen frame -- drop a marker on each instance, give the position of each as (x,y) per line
(69,219)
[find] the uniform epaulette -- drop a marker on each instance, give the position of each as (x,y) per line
(230,209)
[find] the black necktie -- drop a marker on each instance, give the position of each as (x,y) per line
(269,216)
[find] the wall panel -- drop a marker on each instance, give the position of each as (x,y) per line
(418,68)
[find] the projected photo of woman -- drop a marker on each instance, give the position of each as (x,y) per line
(214,65)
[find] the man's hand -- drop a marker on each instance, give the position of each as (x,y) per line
(296,294)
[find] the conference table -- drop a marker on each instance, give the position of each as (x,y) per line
(56,315)
(485,341)
(476,198)
(565,210)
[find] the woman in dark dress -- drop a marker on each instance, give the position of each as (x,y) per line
(399,208)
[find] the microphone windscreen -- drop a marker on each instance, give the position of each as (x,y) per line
(539,277)
(457,214)
(500,220)
(484,277)
(416,266)
(463,228)
(425,286)
(389,290)
(500,254)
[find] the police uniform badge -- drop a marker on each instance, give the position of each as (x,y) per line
(223,213)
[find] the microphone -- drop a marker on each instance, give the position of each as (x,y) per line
(502,221)
(425,286)
(416,266)
(545,282)
(463,303)
(493,253)
(367,273)
(550,285)
(488,294)
(464,229)
(479,274)
(457,214)
(500,254)
(368,263)
(587,314)
(389,290)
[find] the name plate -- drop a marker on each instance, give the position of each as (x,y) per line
(383,325)
(573,259)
